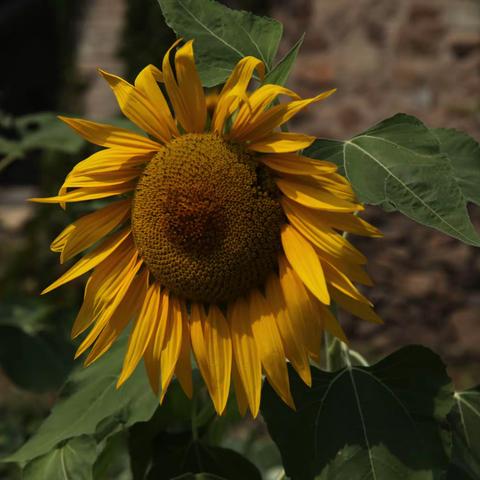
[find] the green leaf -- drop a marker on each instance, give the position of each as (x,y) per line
(34,355)
(72,460)
(379,422)
(464,154)
(222,36)
(178,454)
(465,421)
(280,73)
(38,362)
(90,404)
(400,165)
(46,131)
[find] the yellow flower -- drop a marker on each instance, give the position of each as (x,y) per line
(225,242)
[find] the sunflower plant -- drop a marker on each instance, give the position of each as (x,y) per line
(218,256)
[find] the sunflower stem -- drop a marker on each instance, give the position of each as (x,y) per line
(193,415)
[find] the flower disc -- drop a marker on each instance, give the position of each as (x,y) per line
(206,219)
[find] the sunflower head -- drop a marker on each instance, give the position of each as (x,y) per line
(226,242)
(206,219)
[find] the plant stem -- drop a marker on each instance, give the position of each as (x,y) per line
(193,415)
(327,340)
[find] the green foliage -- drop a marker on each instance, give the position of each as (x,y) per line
(383,421)
(90,404)
(31,354)
(399,164)
(279,74)
(72,460)
(177,454)
(465,421)
(222,36)
(38,131)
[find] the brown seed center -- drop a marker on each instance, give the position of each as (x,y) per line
(206,219)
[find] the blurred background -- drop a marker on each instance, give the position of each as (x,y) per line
(415,56)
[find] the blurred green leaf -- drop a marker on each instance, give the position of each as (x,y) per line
(465,421)
(38,131)
(46,131)
(72,460)
(90,404)
(38,362)
(34,354)
(383,421)
(280,73)
(222,36)
(399,165)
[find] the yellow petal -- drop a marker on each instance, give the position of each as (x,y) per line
(84,194)
(126,310)
(304,260)
(91,259)
(107,312)
(146,82)
(218,348)
(183,369)
(336,278)
(142,332)
(270,348)
(294,164)
(356,308)
(329,321)
(281,142)
(59,242)
(153,353)
(92,227)
(103,284)
(171,344)
(306,322)
(246,354)
(235,89)
(240,394)
(274,117)
(191,90)
(137,107)
(323,237)
(109,136)
(185,91)
(335,184)
(316,198)
(254,107)
(347,222)
(111,160)
(352,269)
(197,319)
(293,340)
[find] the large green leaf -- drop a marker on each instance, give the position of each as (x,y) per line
(72,460)
(399,164)
(378,422)
(222,36)
(90,404)
(465,421)
(176,454)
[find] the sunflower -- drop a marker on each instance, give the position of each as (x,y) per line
(224,241)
